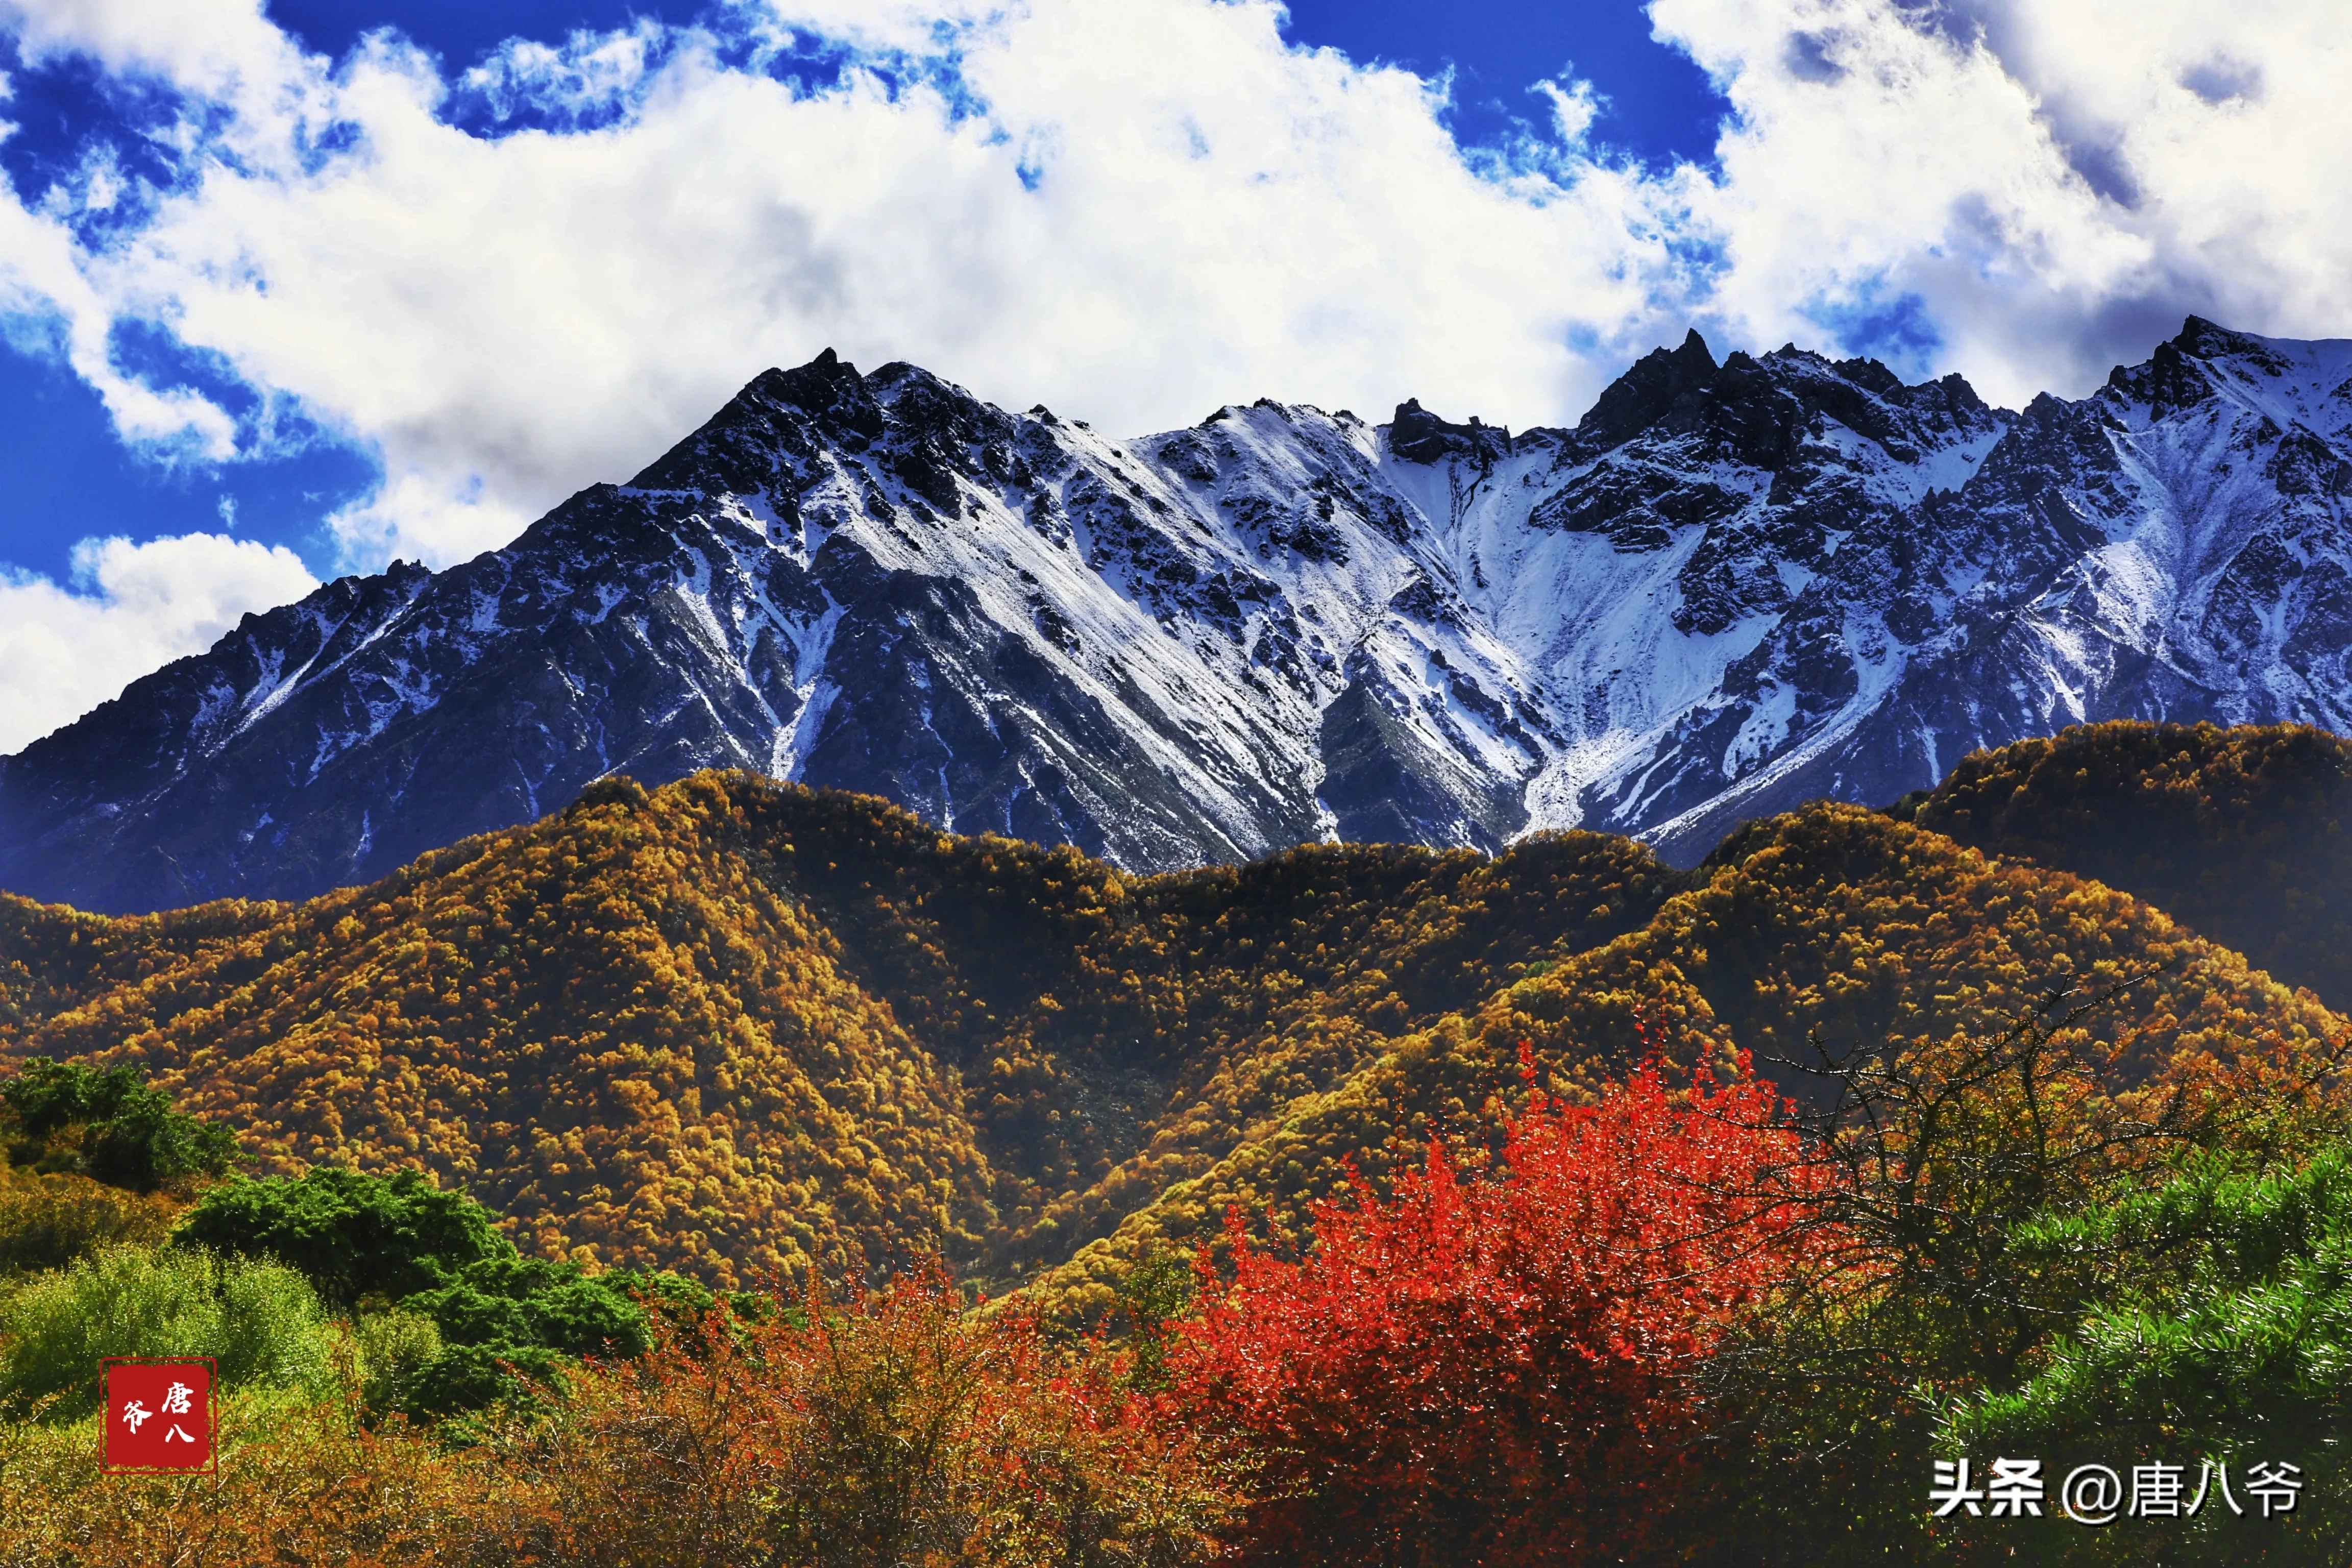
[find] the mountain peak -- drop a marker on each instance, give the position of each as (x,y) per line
(1738,585)
(2206,339)
(1658,384)
(1420,437)
(2181,374)
(779,420)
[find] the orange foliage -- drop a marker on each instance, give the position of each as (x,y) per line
(898,1428)
(304,1485)
(1831,921)
(746,1030)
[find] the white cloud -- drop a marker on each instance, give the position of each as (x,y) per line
(1213,216)
(223,49)
(133,608)
(2057,181)
(1137,209)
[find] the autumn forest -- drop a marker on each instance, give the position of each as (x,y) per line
(1365,1204)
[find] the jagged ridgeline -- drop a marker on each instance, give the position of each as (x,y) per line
(736,1027)
(1734,586)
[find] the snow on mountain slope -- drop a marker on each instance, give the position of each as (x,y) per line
(1731,587)
(2172,547)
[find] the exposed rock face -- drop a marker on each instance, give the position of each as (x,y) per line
(1731,588)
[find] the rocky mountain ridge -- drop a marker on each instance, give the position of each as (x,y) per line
(1732,587)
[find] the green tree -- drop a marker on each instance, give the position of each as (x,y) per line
(260,1321)
(131,1134)
(351,1233)
(499,1324)
(2220,1328)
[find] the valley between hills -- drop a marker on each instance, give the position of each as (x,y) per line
(745,1029)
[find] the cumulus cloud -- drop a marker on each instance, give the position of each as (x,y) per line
(130,609)
(2028,191)
(1135,212)
(537,275)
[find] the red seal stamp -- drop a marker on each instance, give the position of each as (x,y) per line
(159,1415)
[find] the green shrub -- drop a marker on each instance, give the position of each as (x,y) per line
(529,1302)
(466,1378)
(129,1134)
(47,1097)
(675,1296)
(395,1346)
(353,1233)
(499,1322)
(1157,1292)
(146,1143)
(260,1323)
(506,1325)
(2220,1329)
(48,1220)
(2225,1308)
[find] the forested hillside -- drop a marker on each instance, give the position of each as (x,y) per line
(1832,925)
(738,1028)
(2237,832)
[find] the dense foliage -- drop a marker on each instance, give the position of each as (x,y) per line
(1831,924)
(2225,1309)
(1688,1321)
(2217,1322)
(741,1029)
(53,960)
(108,1125)
(745,1030)
(1501,1371)
(353,1233)
(458,1317)
(889,1428)
(94,1159)
(2240,833)
(1394,1206)
(49,1218)
(260,1323)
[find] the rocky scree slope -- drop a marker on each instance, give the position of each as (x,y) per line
(1733,587)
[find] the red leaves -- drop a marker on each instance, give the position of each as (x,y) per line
(1497,1371)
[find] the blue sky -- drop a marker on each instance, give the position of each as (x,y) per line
(1661,105)
(294,289)
(64,476)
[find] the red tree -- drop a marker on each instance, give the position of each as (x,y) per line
(1497,1371)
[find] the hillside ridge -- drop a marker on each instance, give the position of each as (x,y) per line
(743,1028)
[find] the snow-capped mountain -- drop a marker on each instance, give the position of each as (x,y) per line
(1731,588)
